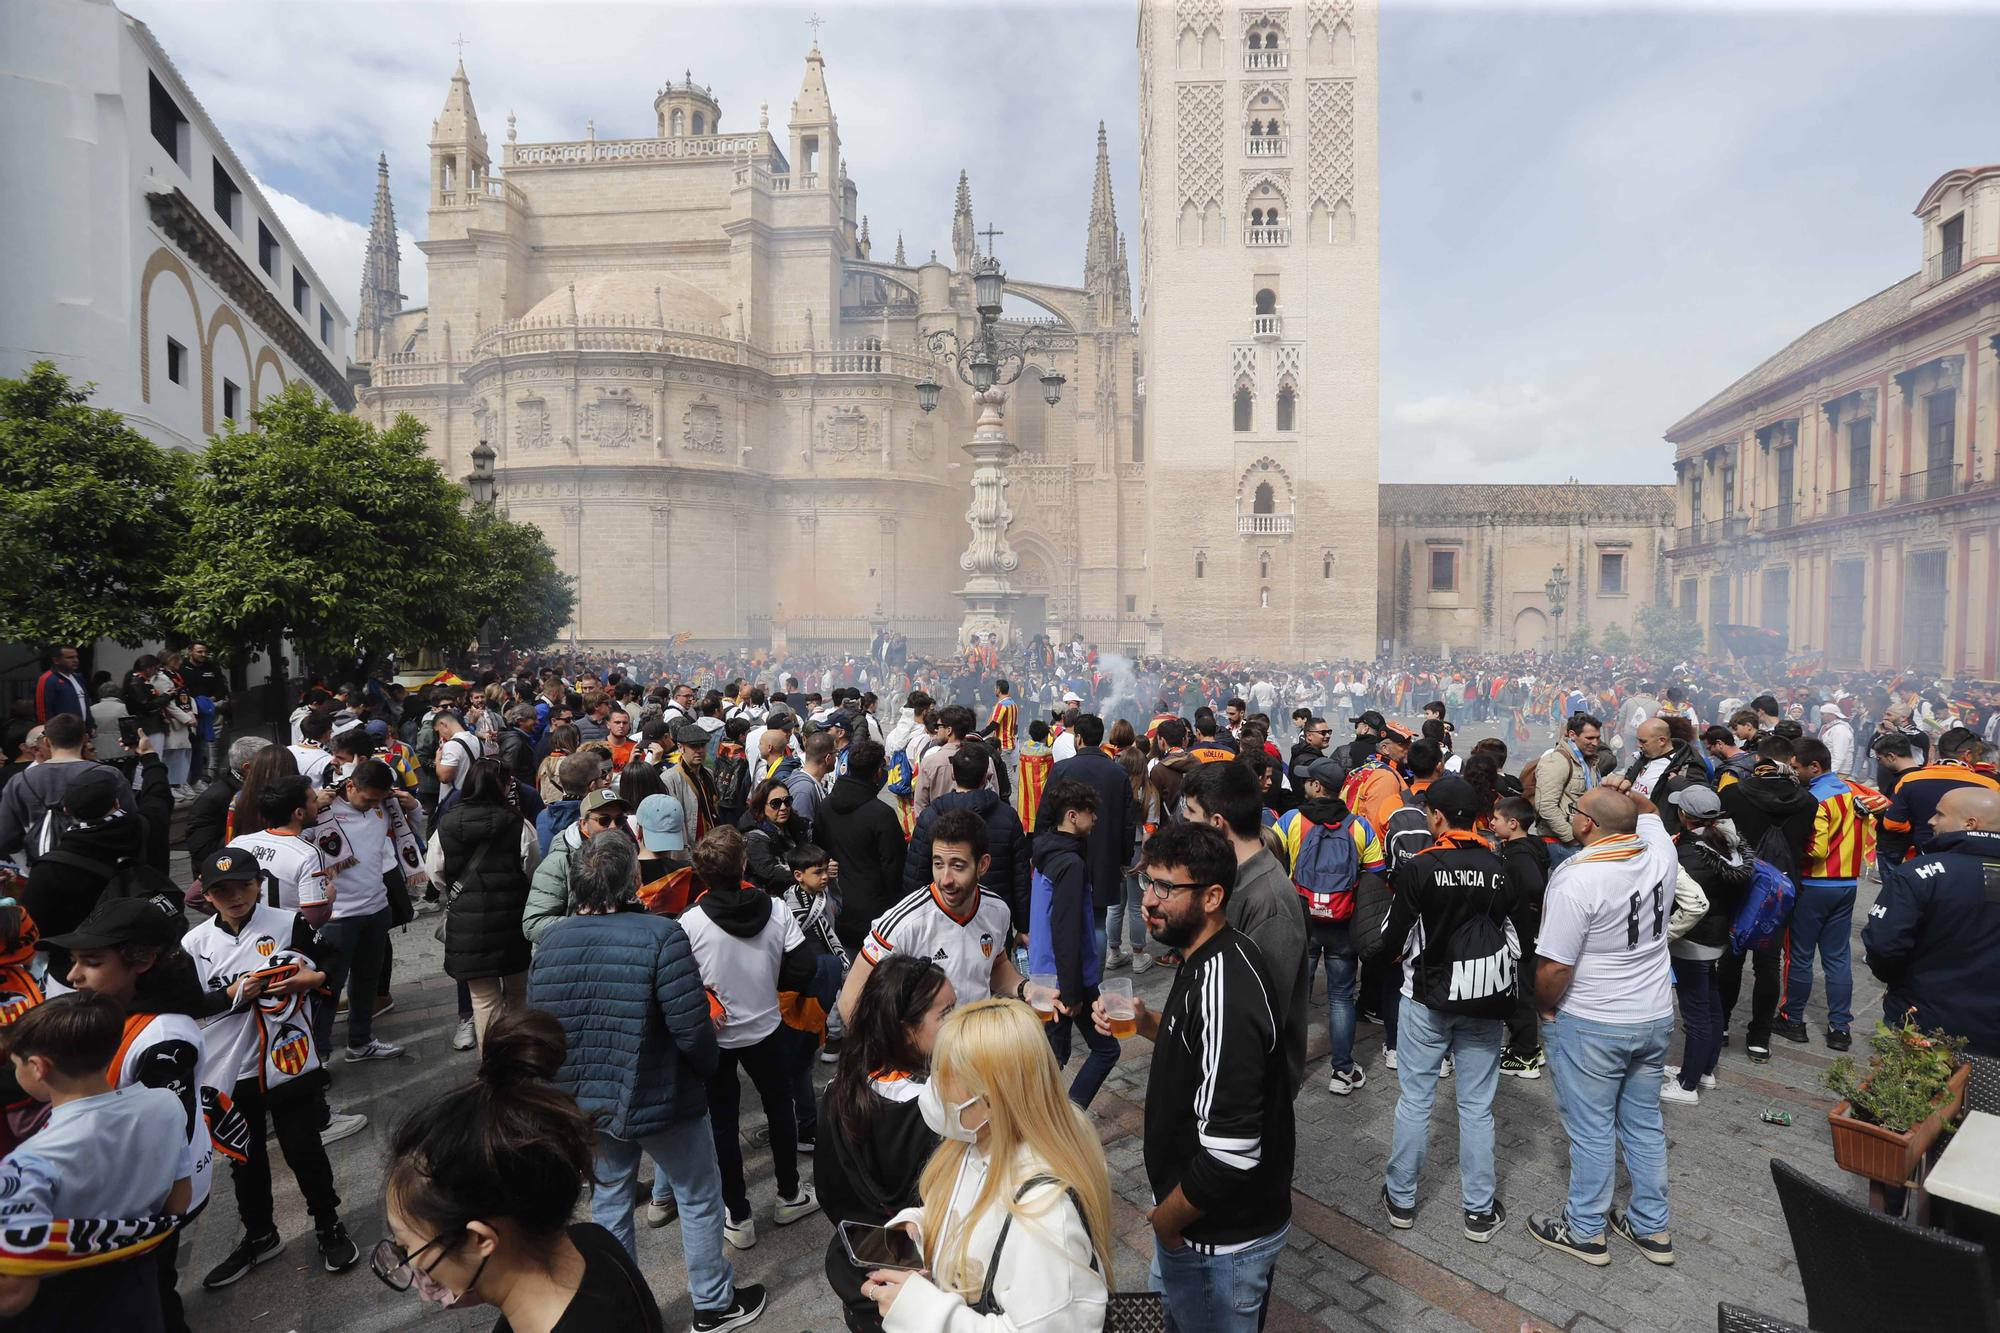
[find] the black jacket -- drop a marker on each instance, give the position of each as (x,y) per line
(861,832)
(208,817)
(1437,891)
(482,854)
(1006,877)
(867,1173)
(517,754)
(1761,804)
(1111,837)
(1724,883)
(1934,935)
(1527,863)
(765,846)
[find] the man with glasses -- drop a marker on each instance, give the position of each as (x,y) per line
(1219,1134)
(549,898)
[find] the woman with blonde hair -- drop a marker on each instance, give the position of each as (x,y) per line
(1015,1223)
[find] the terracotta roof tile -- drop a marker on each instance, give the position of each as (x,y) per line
(1556,503)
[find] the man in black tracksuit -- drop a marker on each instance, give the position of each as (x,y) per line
(1773,814)
(1219,1135)
(1935,928)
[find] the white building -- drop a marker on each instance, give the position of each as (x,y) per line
(140,254)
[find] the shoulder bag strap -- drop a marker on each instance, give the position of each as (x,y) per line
(985,1304)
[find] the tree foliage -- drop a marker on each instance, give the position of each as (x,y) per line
(512,585)
(90,518)
(1614,641)
(1667,634)
(320,529)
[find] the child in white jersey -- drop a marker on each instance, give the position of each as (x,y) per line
(265,959)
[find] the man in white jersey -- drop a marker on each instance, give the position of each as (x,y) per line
(296,872)
(952,923)
(311,752)
(1605,993)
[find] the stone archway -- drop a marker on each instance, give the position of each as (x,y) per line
(1531,630)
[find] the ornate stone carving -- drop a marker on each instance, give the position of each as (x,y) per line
(1291,362)
(1329,143)
(701,426)
(617,419)
(1198,15)
(917,442)
(531,424)
(844,431)
(1329,14)
(1243,364)
(1198,112)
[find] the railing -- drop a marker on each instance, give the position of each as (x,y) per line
(1854,500)
(577,151)
(1735,526)
(1779,516)
(1935,484)
(808,180)
(1266,326)
(1264,145)
(1692,535)
(1267,236)
(1945,263)
(1265,59)
(1264,525)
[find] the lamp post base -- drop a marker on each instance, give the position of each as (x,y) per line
(989,615)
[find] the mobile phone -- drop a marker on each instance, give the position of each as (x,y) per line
(128,731)
(880,1247)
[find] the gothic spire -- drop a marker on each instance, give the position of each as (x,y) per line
(900,262)
(1103,253)
(381,268)
(458,123)
(964,245)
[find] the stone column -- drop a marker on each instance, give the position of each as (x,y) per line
(988,560)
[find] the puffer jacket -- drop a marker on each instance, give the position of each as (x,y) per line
(629,997)
(1724,878)
(1006,842)
(864,836)
(482,855)
(548,891)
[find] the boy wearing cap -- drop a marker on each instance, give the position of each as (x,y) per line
(266,961)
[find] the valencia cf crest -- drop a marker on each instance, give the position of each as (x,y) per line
(329,842)
(13,1004)
(265,946)
(290,1052)
(986,946)
(224,862)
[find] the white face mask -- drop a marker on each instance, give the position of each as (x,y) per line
(947,1122)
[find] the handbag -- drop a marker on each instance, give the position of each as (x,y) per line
(455,887)
(1124,1311)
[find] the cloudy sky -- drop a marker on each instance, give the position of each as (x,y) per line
(1594,217)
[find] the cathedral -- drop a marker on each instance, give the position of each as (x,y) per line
(680,357)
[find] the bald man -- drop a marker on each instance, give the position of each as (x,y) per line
(1934,934)
(1663,767)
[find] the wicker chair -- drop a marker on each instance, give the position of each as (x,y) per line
(1736,1319)
(1864,1272)
(1982,1090)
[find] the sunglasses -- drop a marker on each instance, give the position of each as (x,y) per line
(776,801)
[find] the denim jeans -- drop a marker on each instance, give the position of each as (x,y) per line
(1823,920)
(1607,1078)
(1560,852)
(1330,940)
(1217,1293)
(359,948)
(1124,915)
(1426,1036)
(1097,1066)
(1700,995)
(684,1155)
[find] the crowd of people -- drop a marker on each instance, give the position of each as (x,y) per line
(658,878)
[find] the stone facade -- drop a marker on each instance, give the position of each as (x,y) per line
(1258,276)
(1464,567)
(700,383)
(1844,492)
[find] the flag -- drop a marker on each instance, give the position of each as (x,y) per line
(445,677)
(1036,761)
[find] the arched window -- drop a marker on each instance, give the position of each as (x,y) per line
(1256,41)
(1200,565)
(1265,501)
(1243,408)
(1326,564)
(1264,564)
(700,126)
(680,123)
(1287,408)
(1267,302)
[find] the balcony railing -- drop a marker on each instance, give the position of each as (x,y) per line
(1267,235)
(1779,516)
(1264,525)
(1944,263)
(1264,59)
(1264,145)
(1734,526)
(1854,500)
(1935,484)
(1266,326)
(1694,534)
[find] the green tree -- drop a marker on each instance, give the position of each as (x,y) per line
(90,517)
(320,529)
(1615,642)
(512,586)
(1667,634)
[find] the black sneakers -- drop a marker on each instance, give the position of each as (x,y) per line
(1839,1039)
(1791,1029)
(1657,1247)
(749,1303)
(1554,1233)
(1400,1217)
(252,1251)
(1482,1227)
(336,1251)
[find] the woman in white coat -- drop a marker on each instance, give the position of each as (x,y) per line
(1015,1223)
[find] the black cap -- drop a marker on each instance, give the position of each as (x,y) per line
(1453,798)
(840,719)
(92,792)
(1373,719)
(1323,771)
(117,921)
(228,864)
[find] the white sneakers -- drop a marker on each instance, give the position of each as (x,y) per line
(1141,961)
(374,1050)
(791,1210)
(464,1039)
(1674,1072)
(741,1234)
(1342,1082)
(342,1126)
(1672,1091)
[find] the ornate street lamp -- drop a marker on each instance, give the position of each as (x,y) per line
(1557,589)
(480,480)
(987,361)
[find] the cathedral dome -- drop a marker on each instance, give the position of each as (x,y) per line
(642,297)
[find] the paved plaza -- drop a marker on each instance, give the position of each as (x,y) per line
(1346,1269)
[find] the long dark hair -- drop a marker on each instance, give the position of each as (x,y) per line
(640,780)
(265,767)
(1482,774)
(509,1145)
(488,782)
(755,810)
(892,1003)
(168,985)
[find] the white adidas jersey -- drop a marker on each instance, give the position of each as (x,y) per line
(966,949)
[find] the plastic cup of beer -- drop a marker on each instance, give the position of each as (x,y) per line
(1043,987)
(1121,1011)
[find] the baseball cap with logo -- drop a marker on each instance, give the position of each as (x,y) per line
(231,863)
(599,798)
(119,921)
(661,825)
(1371,718)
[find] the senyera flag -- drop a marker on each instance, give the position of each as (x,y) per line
(445,677)
(70,1244)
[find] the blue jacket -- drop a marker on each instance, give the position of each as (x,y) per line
(1062,936)
(554,818)
(1934,934)
(630,1000)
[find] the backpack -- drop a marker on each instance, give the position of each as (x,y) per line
(1767,906)
(1327,869)
(128,879)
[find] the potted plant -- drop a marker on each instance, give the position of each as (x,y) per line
(1889,1115)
